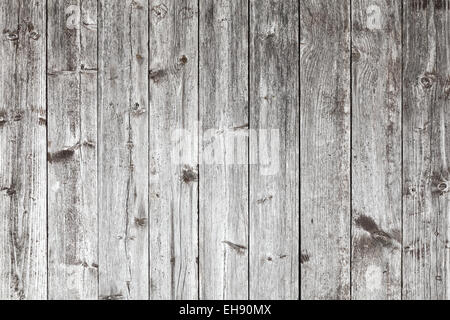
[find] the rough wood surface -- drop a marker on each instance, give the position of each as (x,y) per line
(274,145)
(23,222)
(123,149)
(224,118)
(426,90)
(174,149)
(376,149)
(72,145)
(154,149)
(325,149)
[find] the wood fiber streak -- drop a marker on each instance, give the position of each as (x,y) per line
(23,203)
(376,149)
(274,149)
(123,149)
(325,152)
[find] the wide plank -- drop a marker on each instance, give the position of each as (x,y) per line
(325,149)
(376,149)
(72,146)
(123,149)
(274,149)
(174,149)
(224,118)
(23,181)
(426,146)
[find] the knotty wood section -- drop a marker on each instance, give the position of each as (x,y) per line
(123,149)
(173,149)
(274,145)
(72,146)
(23,204)
(325,150)
(224,118)
(376,149)
(426,86)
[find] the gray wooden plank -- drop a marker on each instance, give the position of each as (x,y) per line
(72,146)
(274,149)
(173,149)
(325,155)
(123,149)
(223,94)
(376,149)
(23,205)
(426,87)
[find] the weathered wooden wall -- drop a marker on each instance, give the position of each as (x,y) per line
(229,149)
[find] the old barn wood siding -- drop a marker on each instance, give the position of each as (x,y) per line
(23,187)
(376,149)
(72,147)
(325,149)
(274,149)
(154,149)
(224,118)
(123,149)
(426,147)
(173,149)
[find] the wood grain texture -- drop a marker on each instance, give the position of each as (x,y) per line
(23,205)
(376,149)
(325,150)
(123,149)
(274,150)
(426,84)
(224,118)
(72,145)
(174,149)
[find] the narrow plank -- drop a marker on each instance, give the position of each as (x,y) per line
(274,149)
(173,149)
(224,149)
(376,149)
(123,149)
(72,146)
(23,204)
(426,87)
(325,156)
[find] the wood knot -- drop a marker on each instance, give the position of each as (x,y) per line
(443,187)
(160,11)
(189,175)
(427,81)
(183,59)
(356,55)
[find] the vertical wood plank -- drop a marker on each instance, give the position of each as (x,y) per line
(426,87)
(274,149)
(325,156)
(72,145)
(123,149)
(173,149)
(23,204)
(224,149)
(376,149)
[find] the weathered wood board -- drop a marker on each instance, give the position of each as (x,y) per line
(223,134)
(426,146)
(173,149)
(23,180)
(72,149)
(274,150)
(123,149)
(376,149)
(228,149)
(325,149)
